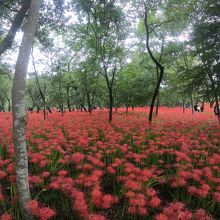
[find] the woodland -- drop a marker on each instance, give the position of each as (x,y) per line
(109,109)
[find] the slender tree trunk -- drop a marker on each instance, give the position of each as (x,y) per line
(82,107)
(158,95)
(49,110)
(183,104)
(110,93)
(156,91)
(110,85)
(43,96)
(61,105)
(62,110)
(44,112)
(2,109)
(9,103)
(217,105)
(89,103)
(18,107)
(93,96)
(68,98)
(38,109)
(215,88)
(203,106)
(44,100)
(68,105)
(126,111)
(192,104)
(110,105)
(159,67)
(61,100)
(211,102)
(158,103)
(2,105)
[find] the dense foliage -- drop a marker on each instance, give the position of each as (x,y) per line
(129,96)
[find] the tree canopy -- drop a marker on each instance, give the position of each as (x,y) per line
(102,54)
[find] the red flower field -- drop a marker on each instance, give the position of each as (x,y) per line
(80,167)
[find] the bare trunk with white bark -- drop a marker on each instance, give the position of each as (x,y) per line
(18,108)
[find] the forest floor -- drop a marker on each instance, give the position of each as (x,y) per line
(82,167)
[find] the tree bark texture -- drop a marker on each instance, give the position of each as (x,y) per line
(18,108)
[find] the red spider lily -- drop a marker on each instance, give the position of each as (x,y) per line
(200,214)
(6,216)
(161,217)
(155,202)
(77,157)
(216,196)
(96,217)
(129,164)
(136,186)
(43,213)
(2,175)
(63,173)
(45,174)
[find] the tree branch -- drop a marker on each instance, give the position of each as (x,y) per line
(6,43)
(148,39)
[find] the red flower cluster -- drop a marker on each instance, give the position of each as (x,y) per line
(43,213)
(128,168)
(177,211)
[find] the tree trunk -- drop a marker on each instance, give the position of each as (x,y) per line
(68,98)
(217,105)
(159,67)
(38,109)
(82,107)
(158,95)
(49,110)
(44,112)
(89,103)
(183,104)
(9,104)
(18,107)
(192,104)
(2,105)
(68,105)
(126,111)
(43,96)
(215,88)
(158,103)
(211,102)
(110,105)
(61,109)
(19,17)
(156,91)
(203,106)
